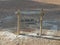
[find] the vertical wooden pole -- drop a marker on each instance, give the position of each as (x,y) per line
(18,25)
(41,20)
(40,25)
(18,22)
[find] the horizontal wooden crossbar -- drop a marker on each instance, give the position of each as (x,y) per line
(43,36)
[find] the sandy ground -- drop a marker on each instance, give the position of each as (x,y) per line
(49,1)
(28,41)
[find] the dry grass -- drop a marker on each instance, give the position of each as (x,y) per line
(29,41)
(53,32)
(41,41)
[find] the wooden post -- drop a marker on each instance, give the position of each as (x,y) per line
(18,24)
(41,21)
(40,25)
(18,21)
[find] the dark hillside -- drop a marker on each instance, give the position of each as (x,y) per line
(8,8)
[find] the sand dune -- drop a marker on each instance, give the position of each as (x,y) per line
(49,1)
